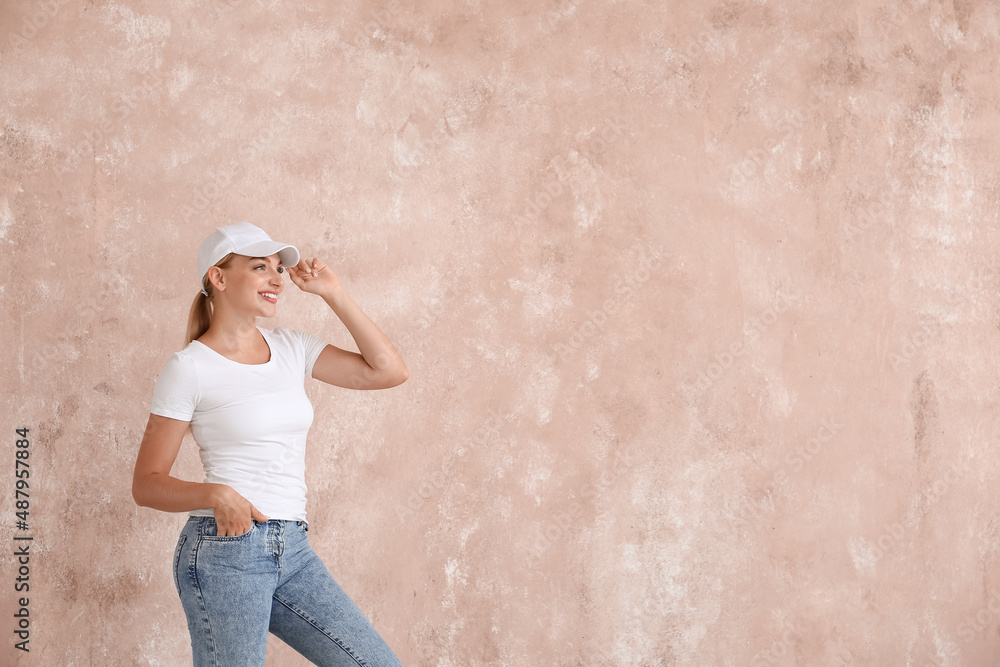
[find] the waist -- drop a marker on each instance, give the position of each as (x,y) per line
(211,519)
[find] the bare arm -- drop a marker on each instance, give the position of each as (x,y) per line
(379,365)
(153,487)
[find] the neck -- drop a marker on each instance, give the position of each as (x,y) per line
(233,331)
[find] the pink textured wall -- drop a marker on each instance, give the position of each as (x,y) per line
(699,302)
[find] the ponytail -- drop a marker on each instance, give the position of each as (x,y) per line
(200,317)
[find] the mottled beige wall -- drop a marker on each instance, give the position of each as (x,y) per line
(699,301)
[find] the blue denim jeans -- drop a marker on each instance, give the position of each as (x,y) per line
(236,589)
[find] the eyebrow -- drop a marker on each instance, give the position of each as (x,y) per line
(263,258)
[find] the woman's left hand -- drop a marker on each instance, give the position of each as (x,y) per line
(314,276)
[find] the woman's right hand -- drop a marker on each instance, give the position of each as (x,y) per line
(234,514)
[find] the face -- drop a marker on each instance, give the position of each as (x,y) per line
(253,284)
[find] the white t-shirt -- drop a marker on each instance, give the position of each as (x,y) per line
(250,420)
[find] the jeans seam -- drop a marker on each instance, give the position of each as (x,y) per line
(336,641)
(199,597)
(177,562)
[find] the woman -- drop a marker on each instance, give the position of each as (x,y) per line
(243,565)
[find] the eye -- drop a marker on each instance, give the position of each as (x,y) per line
(281,269)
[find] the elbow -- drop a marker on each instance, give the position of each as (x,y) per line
(394,375)
(138,493)
(402,376)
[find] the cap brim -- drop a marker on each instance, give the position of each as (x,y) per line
(288,254)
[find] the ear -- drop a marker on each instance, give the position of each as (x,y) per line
(217,278)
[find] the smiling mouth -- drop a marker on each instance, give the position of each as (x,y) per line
(270,297)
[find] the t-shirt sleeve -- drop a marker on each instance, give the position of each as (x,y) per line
(176,391)
(311,347)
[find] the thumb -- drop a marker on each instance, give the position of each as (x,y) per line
(257,514)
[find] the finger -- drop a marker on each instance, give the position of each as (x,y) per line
(295,276)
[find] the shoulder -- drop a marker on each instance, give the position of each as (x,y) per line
(178,388)
(303,342)
(179,378)
(285,334)
(280,333)
(186,365)
(180,363)
(283,337)
(182,359)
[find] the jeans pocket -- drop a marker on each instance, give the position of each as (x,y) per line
(177,559)
(211,528)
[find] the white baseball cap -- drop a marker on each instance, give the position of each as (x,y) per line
(241,238)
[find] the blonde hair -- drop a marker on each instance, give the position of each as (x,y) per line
(200,317)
